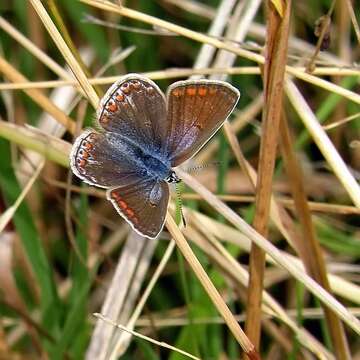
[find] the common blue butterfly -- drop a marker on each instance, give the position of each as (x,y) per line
(143,136)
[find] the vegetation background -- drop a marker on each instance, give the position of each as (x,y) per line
(65,253)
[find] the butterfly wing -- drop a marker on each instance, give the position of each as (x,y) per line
(196,110)
(142,205)
(100,160)
(134,107)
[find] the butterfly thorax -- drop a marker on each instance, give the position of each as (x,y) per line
(147,160)
(155,166)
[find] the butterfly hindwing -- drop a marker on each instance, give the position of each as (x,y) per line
(100,160)
(143,205)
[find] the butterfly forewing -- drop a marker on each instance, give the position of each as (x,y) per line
(196,110)
(97,160)
(143,205)
(134,107)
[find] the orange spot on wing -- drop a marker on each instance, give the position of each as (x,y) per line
(119,97)
(202,91)
(130,213)
(191,91)
(115,195)
(122,204)
(81,162)
(88,145)
(112,107)
(85,155)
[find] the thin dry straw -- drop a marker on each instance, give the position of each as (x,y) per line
(69,57)
(10,211)
(15,76)
(117,351)
(141,336)
(124,11)
(33,49)
(171,74)
(272,251)
(209,287)
(323,142)
(240,276)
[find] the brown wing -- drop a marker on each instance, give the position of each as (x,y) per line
(142,205)
(196,110)
(102,161)
(134,107)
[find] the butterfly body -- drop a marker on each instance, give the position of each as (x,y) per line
(143,136)
(147,161)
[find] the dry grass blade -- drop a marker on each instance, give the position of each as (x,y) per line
(341,122)
(240,277)
(108,6)
(323,142)
(353,19)
(143,266)
(286,202)
(50,147)
(9,213)
(134,333)
(216,29)
(225,233)
(272,251)
(12,74)
(215,297)
(170,74)
(274,70)
(308,245)
(102,336)
(38,53)
(68,55)
(124,340)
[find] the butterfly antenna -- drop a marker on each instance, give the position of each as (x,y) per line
(203,166)
(179,202)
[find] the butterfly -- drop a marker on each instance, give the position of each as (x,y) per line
(144,135)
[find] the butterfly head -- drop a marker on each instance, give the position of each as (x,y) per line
(172,178)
